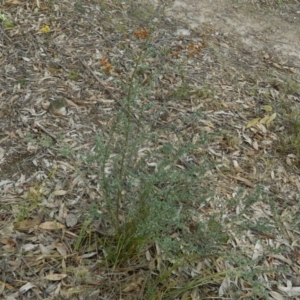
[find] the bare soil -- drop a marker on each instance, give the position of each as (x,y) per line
(254,25)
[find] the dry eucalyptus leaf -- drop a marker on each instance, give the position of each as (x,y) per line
(1,152)
(255,145)
(28,224)
(60,248)
(51,225)
(26,287)
(289,289)
(59,193)
(58,107)
(55,277)
(44,250)
(134,286)
(71,220)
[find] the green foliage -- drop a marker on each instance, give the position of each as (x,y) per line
(30,202)
(146,197)
(152,201)
(74,75)
(182,92)
(289,140)
(126,244)
(46,141)
(7,23)
(78,6)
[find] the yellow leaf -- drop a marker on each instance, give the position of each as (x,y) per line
(253,122)
(45,29)
(267,108)
(264,120)
(271,118)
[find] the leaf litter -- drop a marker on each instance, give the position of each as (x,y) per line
(232,91)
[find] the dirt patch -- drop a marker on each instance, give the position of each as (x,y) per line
(17,164)
(256,27)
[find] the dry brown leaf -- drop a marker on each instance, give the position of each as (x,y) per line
(26,287)
(5,285)
(28,224)
(60,248)
(7,241)
(244,180)
(44,250)
(277,66)
(134,286)
(2,151)
(12,3)
(71,103)
(297,184)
